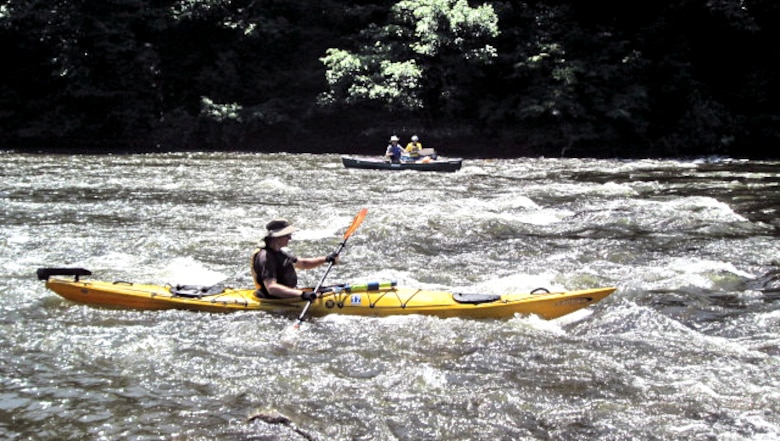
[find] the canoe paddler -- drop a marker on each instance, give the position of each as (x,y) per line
(394,151)
(274,265)
(414,147)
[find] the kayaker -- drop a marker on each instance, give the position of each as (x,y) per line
(273,265)
(394,151)
(414,147)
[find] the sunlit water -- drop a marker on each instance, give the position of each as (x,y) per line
(687,348)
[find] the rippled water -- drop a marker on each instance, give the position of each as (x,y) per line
(687,348)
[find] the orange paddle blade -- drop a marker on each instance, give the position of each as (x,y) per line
(356,223)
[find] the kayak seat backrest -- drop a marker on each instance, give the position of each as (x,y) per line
(45,273)
(195,290)
(475,298)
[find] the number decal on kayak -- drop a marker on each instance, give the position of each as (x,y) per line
(355,299)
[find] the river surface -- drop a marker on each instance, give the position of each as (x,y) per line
(688,348)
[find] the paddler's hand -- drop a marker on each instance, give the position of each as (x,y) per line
(309,295)
(332,257)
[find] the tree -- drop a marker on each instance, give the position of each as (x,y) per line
(101,70)
(423,59)
(574,85)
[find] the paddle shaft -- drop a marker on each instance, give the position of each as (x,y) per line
(354,226)
(317,288)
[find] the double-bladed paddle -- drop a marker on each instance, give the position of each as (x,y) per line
(354,226)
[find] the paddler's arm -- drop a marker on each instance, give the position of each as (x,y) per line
(314,262)
(281,291)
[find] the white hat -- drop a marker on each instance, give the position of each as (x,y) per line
(394,138)
(279,228)
(415,138)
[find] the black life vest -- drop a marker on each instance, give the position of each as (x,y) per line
(270,264)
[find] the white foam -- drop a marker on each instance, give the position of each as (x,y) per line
(553,327)
(186,270)
(517,283)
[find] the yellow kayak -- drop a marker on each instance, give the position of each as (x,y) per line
(365,299)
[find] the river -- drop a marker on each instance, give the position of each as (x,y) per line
(687,348)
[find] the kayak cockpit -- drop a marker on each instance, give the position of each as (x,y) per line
(196,291)
(475,299)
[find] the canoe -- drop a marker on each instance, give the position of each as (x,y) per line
(382,298)
(439,165)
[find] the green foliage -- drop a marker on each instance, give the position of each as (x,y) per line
(355,78)
(441,25)
(411,62)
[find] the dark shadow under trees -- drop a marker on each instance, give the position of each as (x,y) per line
(687,78)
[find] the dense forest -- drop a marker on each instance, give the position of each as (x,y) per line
(471,78)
